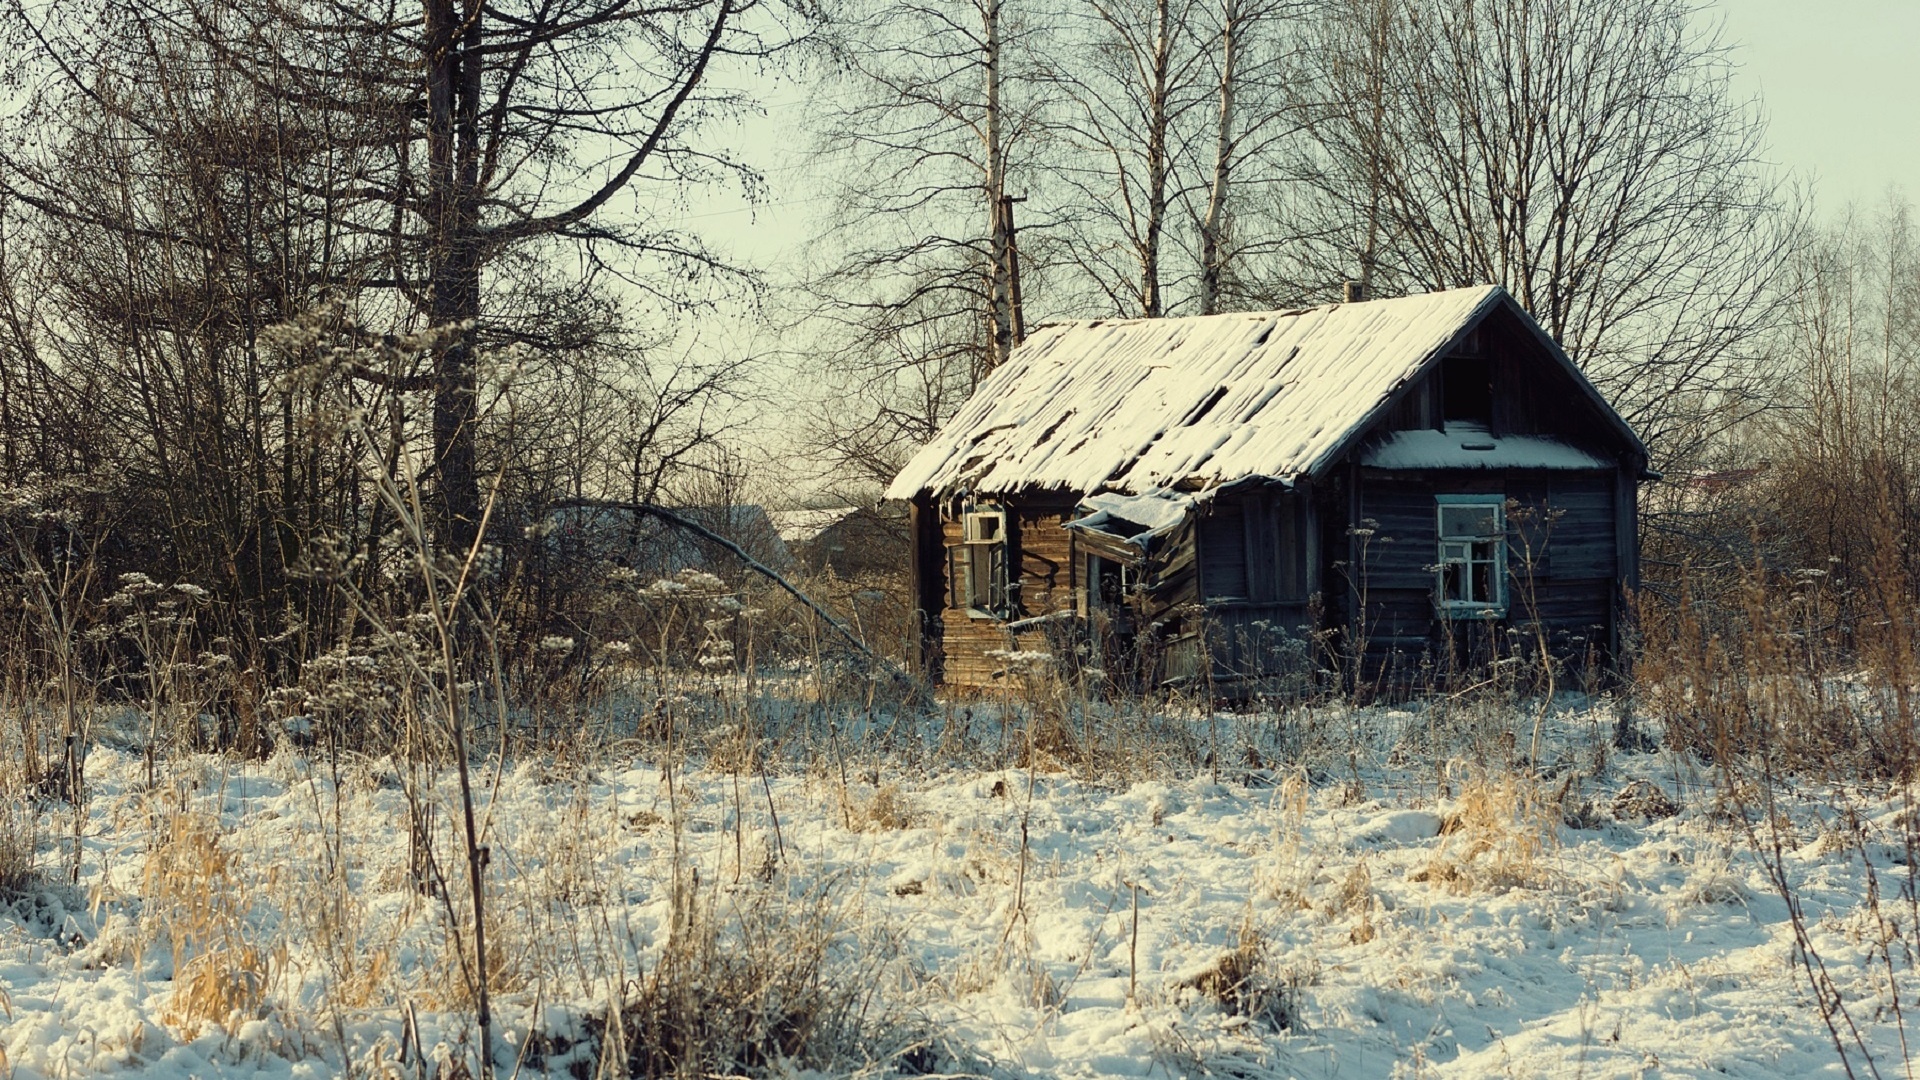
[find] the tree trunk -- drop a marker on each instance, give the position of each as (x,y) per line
(453,304)
(1213,247)
(1000,253)
(1377,28)
(1151,304)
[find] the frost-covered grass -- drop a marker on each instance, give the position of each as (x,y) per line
(1379,892)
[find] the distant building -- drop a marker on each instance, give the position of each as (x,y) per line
(1397,479)
(855,542)
(654,549)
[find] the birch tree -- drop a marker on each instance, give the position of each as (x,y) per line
(928,131)
(1251,122)
(931,129)
(1136,87)
(1174,117)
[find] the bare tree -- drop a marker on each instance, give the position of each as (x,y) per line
(931,131)
(185,178)
(1251,123)
(903,369)
(1173,117)
(1590,156)
(1844,450)
(478,134)
(931,126)
(169,228)
(1136,86)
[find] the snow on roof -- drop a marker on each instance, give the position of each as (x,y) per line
(1141,517)
(1134,405)
(1472,446)
(800,526)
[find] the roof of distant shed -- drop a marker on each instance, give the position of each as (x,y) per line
(1139,404)
(801,526)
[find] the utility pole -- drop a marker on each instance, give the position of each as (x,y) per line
(1013,264)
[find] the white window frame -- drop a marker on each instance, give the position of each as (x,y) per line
(1461,551)
(981,531)
(1129,579)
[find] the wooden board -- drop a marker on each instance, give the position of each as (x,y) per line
(1046,579)
(1223,553)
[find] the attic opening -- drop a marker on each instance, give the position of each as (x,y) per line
(1466,388)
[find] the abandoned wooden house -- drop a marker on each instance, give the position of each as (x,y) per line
(1378,488)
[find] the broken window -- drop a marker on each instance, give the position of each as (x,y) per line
(977,567)
(1109,582)
(1471,575)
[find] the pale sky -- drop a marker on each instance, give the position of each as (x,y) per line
(1840,81)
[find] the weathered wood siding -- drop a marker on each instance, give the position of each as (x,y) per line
(1223,553)
(1257,557)
(927,585)
(1562,564)
(1043,576)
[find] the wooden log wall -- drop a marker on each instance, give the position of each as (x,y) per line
(1562,560)
(1045,584)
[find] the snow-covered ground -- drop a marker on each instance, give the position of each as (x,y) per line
(1390,914)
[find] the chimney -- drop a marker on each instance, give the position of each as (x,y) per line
(1352,293)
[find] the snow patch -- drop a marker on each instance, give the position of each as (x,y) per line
(1473,446)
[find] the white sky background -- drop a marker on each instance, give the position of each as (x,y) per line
(1838,80)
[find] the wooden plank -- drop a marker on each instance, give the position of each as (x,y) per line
(1223,553)
(1626,519)
(1401,550)
(1262,545)
(1350,600)
(1626,578)
(1111,548)
(1309,525)
(927,584)
(1045,552)
(1289,548)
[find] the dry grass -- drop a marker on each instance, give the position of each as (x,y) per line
(196,900)
(750,980)
(1642,800)
(1288,875)
(1496,836)
(19,846)
(887,808)
(1354,896)
(1789,672)
(1241,982)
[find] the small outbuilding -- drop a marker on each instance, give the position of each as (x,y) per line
(1379,488)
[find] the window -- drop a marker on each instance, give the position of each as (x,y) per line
(977,567)
(1466,389)
(1108,584)
(1471,576)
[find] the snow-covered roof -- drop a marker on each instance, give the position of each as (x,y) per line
(1472,446)
(1138,518)
(1139,404)
(801,526)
